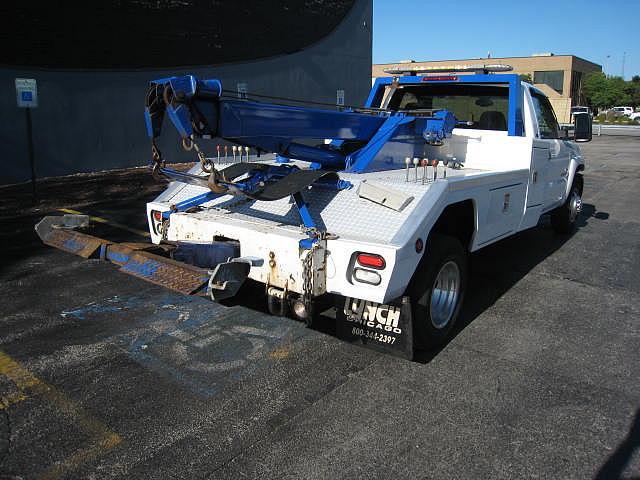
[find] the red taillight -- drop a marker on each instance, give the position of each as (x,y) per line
(439,79)
(156,215)
(371,260)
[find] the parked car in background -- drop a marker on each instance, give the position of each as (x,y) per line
(635,116)
(617,111)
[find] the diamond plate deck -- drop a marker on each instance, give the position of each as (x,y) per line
(343,213)
(73,242)
(165,272)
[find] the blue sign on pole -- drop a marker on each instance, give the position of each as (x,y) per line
(27,92)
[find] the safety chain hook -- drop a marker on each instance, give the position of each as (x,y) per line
(156,158)
(308,281)
(205,163)
(308,273)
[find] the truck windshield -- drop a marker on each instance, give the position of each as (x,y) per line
(483,107)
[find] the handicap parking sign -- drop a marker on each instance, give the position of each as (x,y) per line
(27,92)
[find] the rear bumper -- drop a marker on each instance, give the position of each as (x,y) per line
(277,255)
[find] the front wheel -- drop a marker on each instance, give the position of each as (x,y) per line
(437,290)
(563,218)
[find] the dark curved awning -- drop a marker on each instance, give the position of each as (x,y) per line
(140,34)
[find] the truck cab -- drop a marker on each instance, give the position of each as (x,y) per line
(505,124)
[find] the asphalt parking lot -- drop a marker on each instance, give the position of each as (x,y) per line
(105,376)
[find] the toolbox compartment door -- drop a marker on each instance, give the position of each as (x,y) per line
(506,207)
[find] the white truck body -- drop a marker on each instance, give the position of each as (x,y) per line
(510,180)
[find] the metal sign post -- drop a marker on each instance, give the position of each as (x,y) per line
(242,90)
(27,97)
(340,99)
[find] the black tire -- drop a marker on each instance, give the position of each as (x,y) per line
(563,218)
(432,326)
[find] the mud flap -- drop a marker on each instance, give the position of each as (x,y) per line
(387,328)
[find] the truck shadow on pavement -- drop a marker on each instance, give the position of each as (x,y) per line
(615,465)
(495,269)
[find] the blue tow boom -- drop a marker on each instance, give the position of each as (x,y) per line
(365,140)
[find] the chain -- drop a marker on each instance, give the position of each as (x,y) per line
(156,158)
(313,232)
(308,277)
(188,144)
(307,273)
(205,163)
(164,229)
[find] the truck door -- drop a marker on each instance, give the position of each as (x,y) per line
(537,181)
(555,169)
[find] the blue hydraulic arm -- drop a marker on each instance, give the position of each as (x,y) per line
(198,108)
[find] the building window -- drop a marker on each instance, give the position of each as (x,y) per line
(576,88)
(553,78)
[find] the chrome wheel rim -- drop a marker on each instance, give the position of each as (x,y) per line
(445,294)
(575,205)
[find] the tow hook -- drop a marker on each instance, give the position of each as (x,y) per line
(277,301)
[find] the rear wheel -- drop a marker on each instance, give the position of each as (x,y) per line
(563,218)
(437,291)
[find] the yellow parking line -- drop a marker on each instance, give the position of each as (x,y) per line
(77,459)
(29,386)
(108,222)
(104,438)
(12,399)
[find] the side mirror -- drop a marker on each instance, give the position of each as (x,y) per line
(582,127)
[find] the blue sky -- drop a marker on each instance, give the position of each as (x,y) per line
(598,31)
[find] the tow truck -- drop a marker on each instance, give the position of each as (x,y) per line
(375,208)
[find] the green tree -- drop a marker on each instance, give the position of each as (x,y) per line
(602,91)
(633,90)
(594,88)
(618,89)
(526,77)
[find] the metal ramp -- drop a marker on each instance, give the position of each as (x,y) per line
(58,232)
